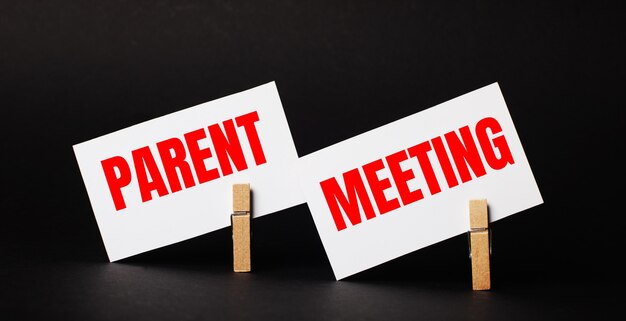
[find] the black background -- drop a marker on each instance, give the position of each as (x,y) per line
(72,71)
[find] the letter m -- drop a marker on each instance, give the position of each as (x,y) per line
(355,192)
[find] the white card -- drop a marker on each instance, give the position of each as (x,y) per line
(170,178)
(420,172)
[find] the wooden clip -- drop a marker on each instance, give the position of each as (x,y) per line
(240,222)
(480,246)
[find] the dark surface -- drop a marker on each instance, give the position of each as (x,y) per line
(72,71)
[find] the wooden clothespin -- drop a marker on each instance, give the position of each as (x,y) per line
(480,247)
(240,222)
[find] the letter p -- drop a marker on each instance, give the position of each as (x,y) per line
(116,182)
